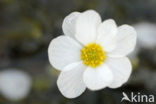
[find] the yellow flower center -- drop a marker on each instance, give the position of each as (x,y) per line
(93,55)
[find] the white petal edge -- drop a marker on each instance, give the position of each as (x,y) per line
(126,41)
(107,32)
(68,25)
(121,69)
(98,78)
(63,51)
(70,83)
(86,26)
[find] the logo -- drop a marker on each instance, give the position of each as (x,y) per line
(137,97)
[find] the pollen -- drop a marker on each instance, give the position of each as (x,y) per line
(93,55)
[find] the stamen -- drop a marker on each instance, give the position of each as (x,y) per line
(93,55)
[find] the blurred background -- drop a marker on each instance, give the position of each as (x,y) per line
(28,26)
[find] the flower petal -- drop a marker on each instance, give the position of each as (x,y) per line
(14,84)
(63,51)
(121,69)
(70,83)
(126,41)
(146,34)
(68,25)
(107,32)
(86,26)
(98,78)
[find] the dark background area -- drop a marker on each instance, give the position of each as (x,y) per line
(28,26)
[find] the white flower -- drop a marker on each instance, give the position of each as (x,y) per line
(14,84)
(91,54)
(146,34)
